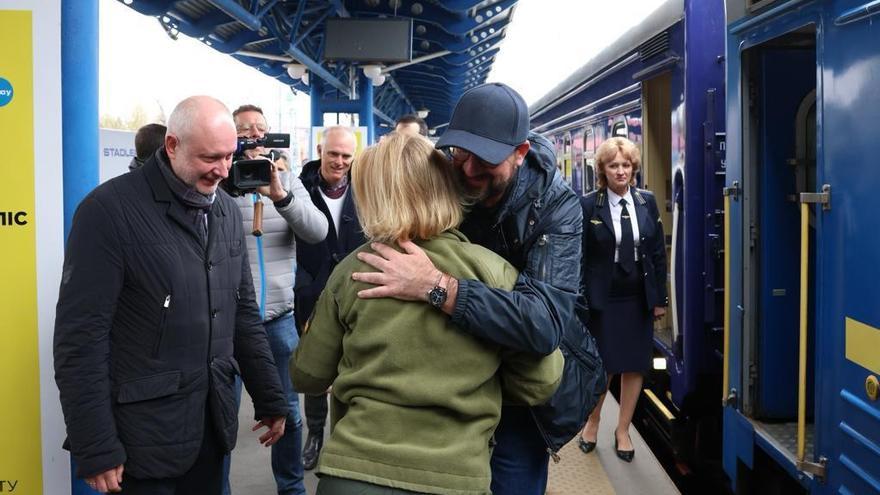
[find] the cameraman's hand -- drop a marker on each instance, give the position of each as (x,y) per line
(275,190)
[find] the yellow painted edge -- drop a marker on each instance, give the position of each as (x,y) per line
(659,405)
(726,357)
(863,344)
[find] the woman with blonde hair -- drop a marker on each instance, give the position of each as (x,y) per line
(624,272)
(414,399)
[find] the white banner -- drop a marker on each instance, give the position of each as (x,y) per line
(117,151)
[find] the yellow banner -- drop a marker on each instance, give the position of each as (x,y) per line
(20,456)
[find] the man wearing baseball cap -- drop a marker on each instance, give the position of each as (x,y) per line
(524,211)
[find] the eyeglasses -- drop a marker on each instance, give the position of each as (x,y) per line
(460,155)
(249,127)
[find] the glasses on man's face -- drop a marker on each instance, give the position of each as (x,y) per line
(250,127)
(460,155)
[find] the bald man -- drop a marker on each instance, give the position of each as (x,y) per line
(327,182)
(156,317)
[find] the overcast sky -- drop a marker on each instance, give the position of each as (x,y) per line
(140,64)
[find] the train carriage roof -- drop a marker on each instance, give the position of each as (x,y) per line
(664,16)
(454,43)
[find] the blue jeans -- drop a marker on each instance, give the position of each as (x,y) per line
(287,463)
(520,458)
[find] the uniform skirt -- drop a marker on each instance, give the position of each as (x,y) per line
(624,329)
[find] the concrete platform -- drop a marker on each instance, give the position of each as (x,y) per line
(251,472)
(600,472)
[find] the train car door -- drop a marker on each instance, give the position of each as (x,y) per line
(781,79)
(848,263)
(657,176)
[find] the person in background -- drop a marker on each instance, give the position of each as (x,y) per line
(147,140)
(327,181)
(288,215)
(525,212)
(624,271)
(282,161)
(411,124)
(415,400)
(156,318)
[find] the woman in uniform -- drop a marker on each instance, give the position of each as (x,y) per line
(624,271)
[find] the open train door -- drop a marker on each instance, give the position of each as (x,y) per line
(801,379)
(773,272)
(848,316)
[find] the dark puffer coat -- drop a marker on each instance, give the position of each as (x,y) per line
(538,229)
(152,326)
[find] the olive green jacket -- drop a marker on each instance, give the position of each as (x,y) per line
(415,400)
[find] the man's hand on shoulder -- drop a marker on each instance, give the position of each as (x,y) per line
(110,481)
(407,276)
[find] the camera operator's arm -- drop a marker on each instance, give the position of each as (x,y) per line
(296,206)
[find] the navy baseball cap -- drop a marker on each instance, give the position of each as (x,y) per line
(489,120)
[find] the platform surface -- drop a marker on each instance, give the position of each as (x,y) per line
(600,472)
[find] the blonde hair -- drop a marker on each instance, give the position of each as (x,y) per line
(607,152)
(405,189)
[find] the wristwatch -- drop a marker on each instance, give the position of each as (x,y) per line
(437,295)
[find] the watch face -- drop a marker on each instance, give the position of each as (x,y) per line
(437,296)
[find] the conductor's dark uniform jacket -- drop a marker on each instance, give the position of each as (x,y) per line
(154,320)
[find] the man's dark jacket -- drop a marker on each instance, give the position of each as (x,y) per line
(152,326)
(537,229)
(315,262)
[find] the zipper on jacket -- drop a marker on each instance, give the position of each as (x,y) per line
(162,322)
(555,456)
(542,242)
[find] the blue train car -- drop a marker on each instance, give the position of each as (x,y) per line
(803,320)
(661,84)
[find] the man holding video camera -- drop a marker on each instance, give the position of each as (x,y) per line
(288,212)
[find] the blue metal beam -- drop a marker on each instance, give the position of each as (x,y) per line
(236,11)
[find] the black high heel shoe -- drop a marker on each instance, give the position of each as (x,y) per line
(585,446)
(624,455)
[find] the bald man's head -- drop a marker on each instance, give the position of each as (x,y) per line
(337,152)
(200,141)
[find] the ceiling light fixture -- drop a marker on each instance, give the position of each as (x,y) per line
(372,70)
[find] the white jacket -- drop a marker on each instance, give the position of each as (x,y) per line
(273,256)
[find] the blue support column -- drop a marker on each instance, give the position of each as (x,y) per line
(79,105)
(365,92)
(79,121)
(317,117)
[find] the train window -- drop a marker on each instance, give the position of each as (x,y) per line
(618,129)
(589,158)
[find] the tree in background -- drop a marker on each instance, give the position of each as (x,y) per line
(134,121)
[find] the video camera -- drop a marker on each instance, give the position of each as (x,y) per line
(247,175)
